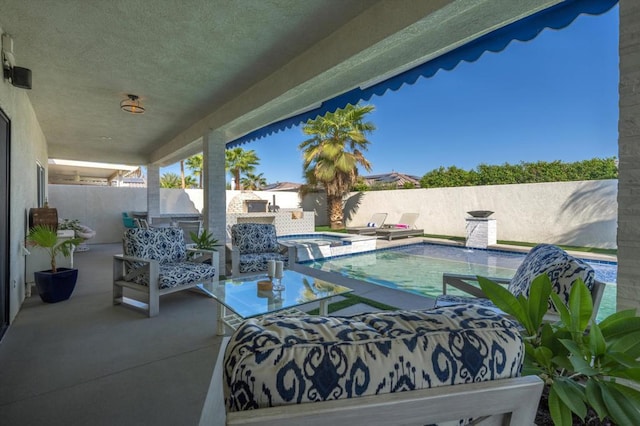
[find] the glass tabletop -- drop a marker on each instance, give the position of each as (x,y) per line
(250,296)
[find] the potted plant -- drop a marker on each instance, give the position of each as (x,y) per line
(591,370)
(204,241)
(55,284)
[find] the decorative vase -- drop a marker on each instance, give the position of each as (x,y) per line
(56,287)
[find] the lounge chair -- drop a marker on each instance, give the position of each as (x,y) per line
(155,263)
(385,368)
(562,268)
(406,227)
(375,223)
(252,245)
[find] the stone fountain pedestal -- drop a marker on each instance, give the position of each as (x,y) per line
(481,231)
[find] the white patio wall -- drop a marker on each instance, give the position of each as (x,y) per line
(100,208)
(573,213)
(28,147)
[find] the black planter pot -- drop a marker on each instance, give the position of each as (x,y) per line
(56,287)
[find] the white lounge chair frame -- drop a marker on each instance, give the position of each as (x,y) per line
(504,402)
(390,231)
(377,218)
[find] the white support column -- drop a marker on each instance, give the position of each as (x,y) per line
(153,191)
(628,290)
(214,190)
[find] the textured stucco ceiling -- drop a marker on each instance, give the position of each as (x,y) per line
(216,64)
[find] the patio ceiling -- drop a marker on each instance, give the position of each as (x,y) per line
(235,66)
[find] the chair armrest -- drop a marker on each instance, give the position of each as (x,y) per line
(460,282)
(199,255)
(235,260)
(148,265)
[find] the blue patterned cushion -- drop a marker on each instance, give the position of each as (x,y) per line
(561,268)
(252,262)
(254,238)
(175,274)
(166,245)
(290,360)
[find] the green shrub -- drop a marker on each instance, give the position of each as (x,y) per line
(583,363)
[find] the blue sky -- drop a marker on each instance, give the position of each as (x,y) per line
(552,98)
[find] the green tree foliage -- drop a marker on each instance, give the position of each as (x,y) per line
(333,153)
(194,163)
(238,161)
(253,182)
(541,171)
(170,180)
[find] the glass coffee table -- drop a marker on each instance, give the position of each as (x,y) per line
(249,297)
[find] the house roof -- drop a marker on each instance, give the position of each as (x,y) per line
(229,67)
(282,186)
(396,178)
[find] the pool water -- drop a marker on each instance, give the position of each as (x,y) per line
(418,268)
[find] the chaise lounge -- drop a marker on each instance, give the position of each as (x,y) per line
(375,223)
(406,227)
(405,367)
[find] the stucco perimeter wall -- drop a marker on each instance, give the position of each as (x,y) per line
(572,213)
(100,208)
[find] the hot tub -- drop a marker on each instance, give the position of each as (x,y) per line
(320,245)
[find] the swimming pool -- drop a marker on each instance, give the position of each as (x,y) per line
(418,268)
(306,247)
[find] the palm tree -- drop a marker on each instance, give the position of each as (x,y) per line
(194,163)
(240,161)
(190,182)
(332,155)
(182,182)
(170,180)
(253,182)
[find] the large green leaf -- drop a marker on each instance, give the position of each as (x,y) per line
(627,313)
(507,302)
(565,316)
(578,361)
(560,412)
(629,344)
(539,299)
(597,343)
(580,305)
(621,410)
(543,356)
(571,394)
(630,393)
(594,398)
(620,328)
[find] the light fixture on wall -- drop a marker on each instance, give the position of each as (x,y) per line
(17,76)
(132,105)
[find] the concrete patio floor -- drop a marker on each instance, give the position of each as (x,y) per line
(86,362)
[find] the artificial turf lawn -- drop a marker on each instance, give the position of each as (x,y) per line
(354,299)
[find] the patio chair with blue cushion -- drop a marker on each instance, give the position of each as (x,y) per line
(562,268)
(155,263)
(252,245)
(441,366)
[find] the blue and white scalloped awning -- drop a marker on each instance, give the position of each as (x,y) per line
(556,17)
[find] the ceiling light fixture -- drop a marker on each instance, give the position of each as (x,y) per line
(132,105)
